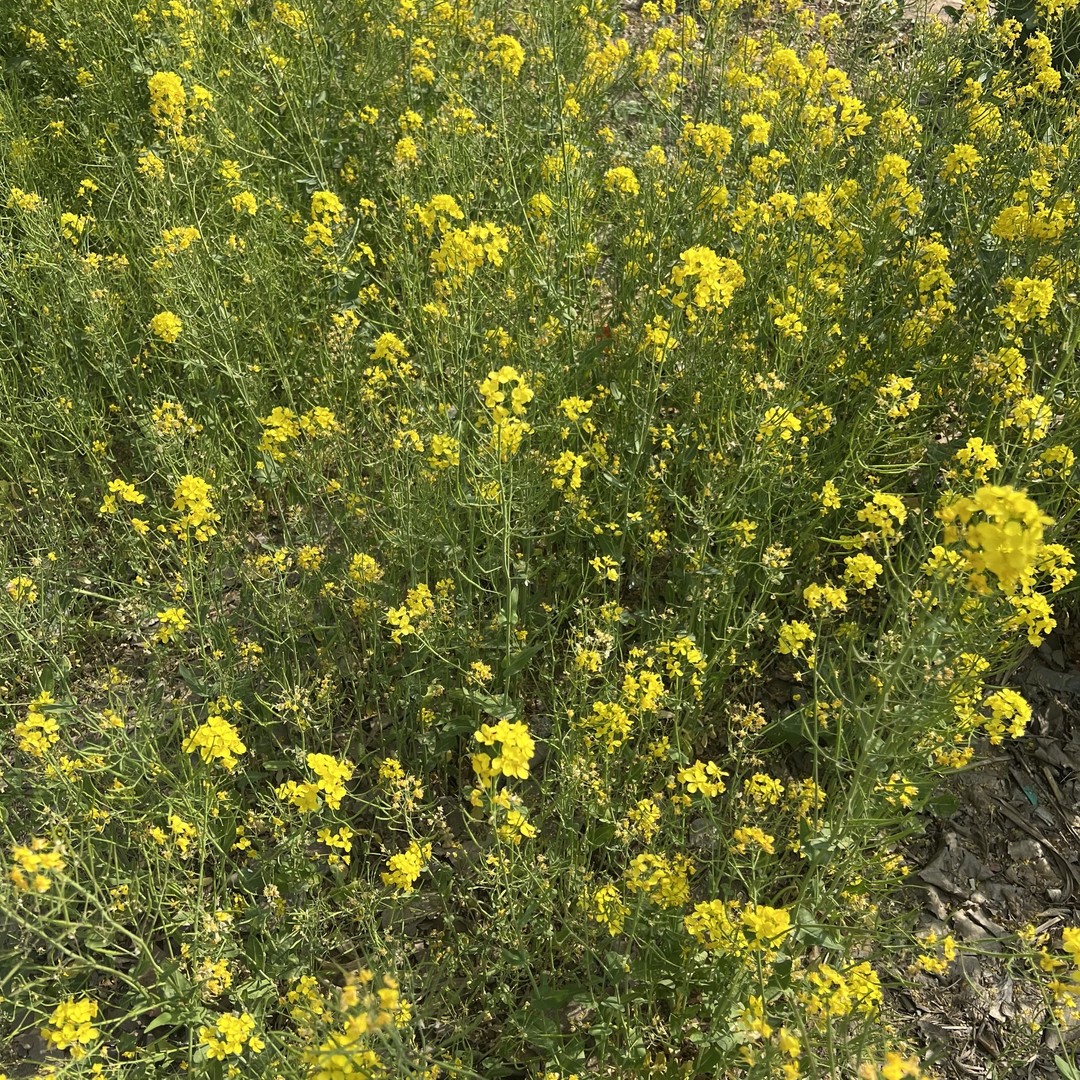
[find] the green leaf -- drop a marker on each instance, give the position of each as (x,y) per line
(161,1020)
(193,681)
(1067,1070)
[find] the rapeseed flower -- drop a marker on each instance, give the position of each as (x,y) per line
(1005,537)
(794,638)
(407,866)
(168,101)
(193,497)
(172,622)
(166,326)
(33,863)
(621,181)
(71,1026)
(22,590)
(229,1036)
(215,740)
(516,747)
(506,53)
(665,881)
(715,279)
(38,731)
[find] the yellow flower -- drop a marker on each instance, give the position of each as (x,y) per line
(1030,298)
(332,776)
(462,252)
(166,326)
(244,203)
(120,489)
(228,1037)
(778,423)
(27,201)
(751,836)
(622,181)
(606,907)
(962,160)
(407,866)
(506,53)
(766,926)
(794,637)
(516,747)
(22,590)
(193,497)
(1006,705)
(326,207)
(664,881)
(886,512)
(168,101)
(72,1026)
(862,571)
(215,740)
(1007,537)
(611,722)
(716,278)
(173,621)
(704,778)
(38,860)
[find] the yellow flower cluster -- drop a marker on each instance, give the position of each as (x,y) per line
(38,731)
(193,497)
(339,841)
(935,962)
(516,748)
(438,212)
(461,252)
(506,53)
(621,181)
(33,863)
(605,906)
(215,739)
(795,638)
(364,570)
(344,1054)
(610,722)
(862,571)
(331,777)
(170,419)
(166,326)
(71,1026)
(407,866)
(828,993)
(172,622)
(419,605)
(715,279)
(229,1036)
(741,931)
(779,424)
(22,590)
(283,425)
(120,489)
(1006,707)
(885,513)
(665,881)
(703,777)
(893,1067)
(1005,538)
(751,836)
(168,101)
(26,201)
(508,429)
(825,597)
